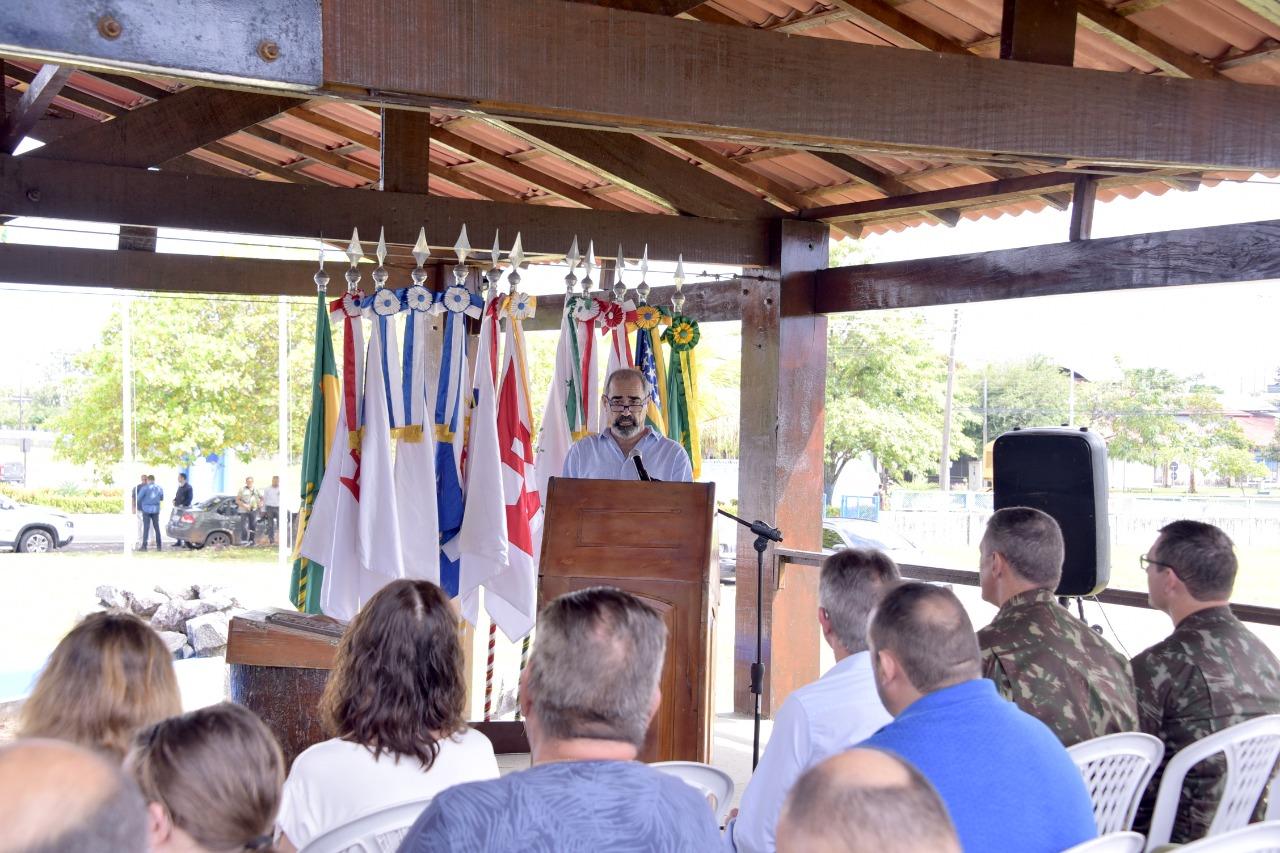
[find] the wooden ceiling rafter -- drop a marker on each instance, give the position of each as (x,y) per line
(1098,18)
(33,104)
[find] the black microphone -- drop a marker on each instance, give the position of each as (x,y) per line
(644,475)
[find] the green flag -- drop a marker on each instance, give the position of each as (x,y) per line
(304,584)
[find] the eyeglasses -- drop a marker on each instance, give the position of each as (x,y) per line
(1147,564)
(622,404)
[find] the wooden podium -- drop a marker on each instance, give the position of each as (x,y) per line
(654,540)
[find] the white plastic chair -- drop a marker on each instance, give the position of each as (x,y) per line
(378,832)
(712,782)
(1254,838)
(1251,749)
(1114,842)
(1116,769)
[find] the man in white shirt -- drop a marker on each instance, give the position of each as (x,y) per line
(608,455)
(271,507)
(832,714)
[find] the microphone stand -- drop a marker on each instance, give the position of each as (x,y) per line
(764,535)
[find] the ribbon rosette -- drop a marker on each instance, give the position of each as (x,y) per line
(648,317)
(611,315)
(683,333)
(520,306)
(386,302)
(418,298)
(457,299)
(585,308)
(351,303)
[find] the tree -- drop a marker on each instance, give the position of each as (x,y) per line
(1236,463)
(1140,412)
(885,386)
(1027,393)
(1205,431)
(204,381)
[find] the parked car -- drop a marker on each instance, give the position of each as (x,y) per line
(32,529)
(211,522)
(839,533)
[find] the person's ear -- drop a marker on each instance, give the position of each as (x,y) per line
(824,620)
(159,826)
(525,700)
(887,666)
(655,702)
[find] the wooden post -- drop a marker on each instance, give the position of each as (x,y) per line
(1039,31)
(405,137)
(1082,201)
(784,370)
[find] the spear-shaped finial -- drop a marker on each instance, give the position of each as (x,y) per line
(354,254)
(462,248)
(421,251)
(380,274)
(321,278)
(516,257)
(493,275)
(570,278)
(619,266)
(642,289)
(591,262)
(677,299)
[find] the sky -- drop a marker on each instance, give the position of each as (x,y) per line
(1227,333)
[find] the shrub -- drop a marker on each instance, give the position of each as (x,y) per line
(68,499)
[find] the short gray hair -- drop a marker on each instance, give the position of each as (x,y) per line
(1031,542)
(629,373)
(850,584)
(927,630)
(595,665)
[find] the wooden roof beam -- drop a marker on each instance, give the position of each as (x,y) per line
(32,106)
(1039,31)
(319,155)
(1097,17)
(954,197)
(669,8)
(253,162)
(404,156)
(879,17)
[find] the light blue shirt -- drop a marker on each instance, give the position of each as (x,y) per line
(598,457)
(830,715)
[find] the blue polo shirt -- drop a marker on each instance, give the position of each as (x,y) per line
(1006,780)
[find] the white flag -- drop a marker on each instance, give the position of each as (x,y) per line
(554,437)
(483,539)
(415,467)
(378,540)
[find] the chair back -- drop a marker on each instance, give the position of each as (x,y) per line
(1250,748)
(377,832)
(1116,769)
(712,782)
(1255,838)
(1113,842)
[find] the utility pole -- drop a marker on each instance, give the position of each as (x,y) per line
(24,442)
(944,470)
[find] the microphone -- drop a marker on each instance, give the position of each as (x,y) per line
(644,475)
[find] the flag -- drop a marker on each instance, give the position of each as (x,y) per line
(378,525)
(616,317)
(307,576)
(415,466)
(450,433)
(350,310)
(648,356)
(555,436)
(511,594)
(682,336)
(482,540)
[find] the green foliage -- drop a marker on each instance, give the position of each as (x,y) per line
(1236,464)
(204,380)
(885,390)
(1029,393)
(1140,412)
(69,500)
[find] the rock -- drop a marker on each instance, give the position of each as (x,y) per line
(111,596)
(168,618)
(205,590)
(208,633)
(173,640)
(220,601)
(182,593)
(144,604)
(187,651)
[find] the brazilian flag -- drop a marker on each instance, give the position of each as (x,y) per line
(682,335)
(304,584)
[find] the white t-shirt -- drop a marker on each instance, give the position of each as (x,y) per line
(336,781)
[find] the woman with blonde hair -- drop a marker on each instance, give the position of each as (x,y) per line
(394,706)
(110,676)
(211,779)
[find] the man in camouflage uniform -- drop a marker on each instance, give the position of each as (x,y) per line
(1051,664)
(1210,673)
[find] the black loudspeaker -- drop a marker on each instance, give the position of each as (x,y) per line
(1064,473)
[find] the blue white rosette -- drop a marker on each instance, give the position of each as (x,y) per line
(386,302)
(418,298)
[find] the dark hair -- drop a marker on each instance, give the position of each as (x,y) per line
(928,631)
(218,773)
(108,677)
(182,475)
(850,812)
(595,665)
(1202,557)
(1031,542)
(850,583)
(397,685)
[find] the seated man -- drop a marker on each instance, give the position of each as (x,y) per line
(1007,782)
(1039,655)
(1210,673)
(865,801)
(831,714)
(611,454)
(56,796)
(588,694)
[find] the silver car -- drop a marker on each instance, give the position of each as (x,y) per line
(210,522)
(31,529)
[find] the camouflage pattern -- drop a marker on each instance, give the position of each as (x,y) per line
(1057,669)
(1210,673)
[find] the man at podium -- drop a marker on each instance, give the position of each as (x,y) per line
(628,449)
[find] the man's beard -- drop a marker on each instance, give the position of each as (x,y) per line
(626,425)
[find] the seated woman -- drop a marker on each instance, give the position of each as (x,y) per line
(110,676)
(211,779)
(394,705)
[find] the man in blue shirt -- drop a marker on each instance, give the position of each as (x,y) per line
(609,455)
(1005,778)
(588,694)
(833,713)
(150,497)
